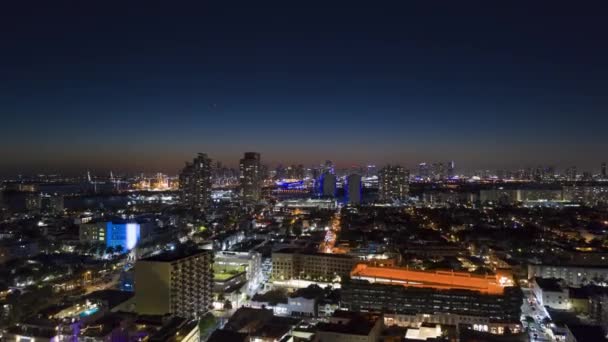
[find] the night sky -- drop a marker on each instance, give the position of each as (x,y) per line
(143,87)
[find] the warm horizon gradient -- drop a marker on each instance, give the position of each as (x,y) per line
(145,87)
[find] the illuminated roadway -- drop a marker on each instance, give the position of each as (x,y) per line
(328,244)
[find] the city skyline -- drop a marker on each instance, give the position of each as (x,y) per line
(413,167)
(144,89)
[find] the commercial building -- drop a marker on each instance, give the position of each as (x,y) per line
(393,183)
(550,292)
(294,264)
(177,282)
(195,183)
(353,189)
(512,196)
(573,275)
(590,195)
(306,203)
(227,264)
(92,232)
(251,177)
(115,233)
(122,234)
(409,298)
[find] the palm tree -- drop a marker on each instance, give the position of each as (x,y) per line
(110,250)
(119,249)
(101,248)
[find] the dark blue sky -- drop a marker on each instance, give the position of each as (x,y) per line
(142,86)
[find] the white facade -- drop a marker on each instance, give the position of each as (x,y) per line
(558,299)
(575,276)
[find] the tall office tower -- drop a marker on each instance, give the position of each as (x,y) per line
(195,183)
(423,170)
(328,167)
(353,189)
(178,283)
(538,174)
(251,177)
(451,169)
(603,172)
(393,183)
(299,171)
(371,171)
(572,174)
(549,173)
(280,172)
(328,184)
(438,171)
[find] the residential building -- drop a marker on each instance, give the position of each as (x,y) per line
(573,275)
(195,183)
(177,282)
(353,189)
(393,183)
(294,264)
(251,177)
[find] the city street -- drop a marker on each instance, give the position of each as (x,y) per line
(531,308)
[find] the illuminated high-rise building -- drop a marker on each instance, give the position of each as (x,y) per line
(371,170)
(328,184)
(438,171)
(603,171)
(195,183)
(328,167)
(423,170)
(451,169)
(251,178)
(393,183)
(353,189)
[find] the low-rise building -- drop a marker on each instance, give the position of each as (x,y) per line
(573,275)
(351,326)
(550,292)
(294,264)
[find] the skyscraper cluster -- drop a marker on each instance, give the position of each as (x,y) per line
(436,171)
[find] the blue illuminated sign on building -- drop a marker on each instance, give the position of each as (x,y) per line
(122,234)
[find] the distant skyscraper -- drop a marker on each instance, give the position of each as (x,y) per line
(451,169)
(353,189)
(438,171)
(371,171)
(195,183)
(328,184)
(603,172)
(393,183)
(251,177)
(423,170)
(572,174)
(328,167)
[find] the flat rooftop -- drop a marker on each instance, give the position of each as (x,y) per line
(439,279)
(175,255)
